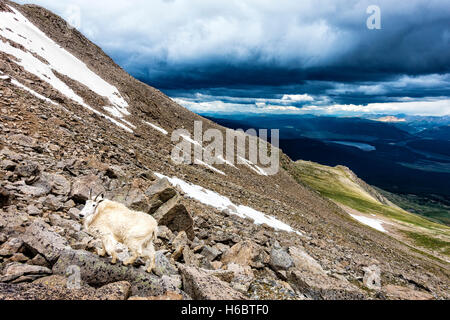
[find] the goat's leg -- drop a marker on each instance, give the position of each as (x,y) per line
(136,251)
(110,247)
(150,255)
(101,252)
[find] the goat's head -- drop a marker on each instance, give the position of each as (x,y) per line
(91,205)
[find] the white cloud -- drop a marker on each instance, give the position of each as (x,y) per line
(430,107)
(297,97)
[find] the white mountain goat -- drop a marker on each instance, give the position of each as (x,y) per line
(113,222)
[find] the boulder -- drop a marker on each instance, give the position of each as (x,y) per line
(40,238)
(67,224)
(244,253)
(114,291)
(159,193)
(52,203)
(134,199)
(175,216)
(201,285)
(18,272)
(97,271)
(8,165)
(27,170)
(163,265)
(59,184)
(11,247)
(304,262)
(322,287)
(180,240)
(372,277)
(82,187)
(56,287)
(241,274)
(210,253)
(5,197)
(34,191)
(404,293)
(189,257)
(165,233)
(23,140)
(280,259)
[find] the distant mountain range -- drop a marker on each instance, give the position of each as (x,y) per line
(401,157)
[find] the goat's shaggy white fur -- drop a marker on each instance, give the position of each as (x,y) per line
(113,222)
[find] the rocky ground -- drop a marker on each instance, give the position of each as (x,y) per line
(51,156)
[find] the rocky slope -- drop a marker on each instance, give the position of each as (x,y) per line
(64,132)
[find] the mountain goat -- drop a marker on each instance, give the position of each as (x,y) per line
(113,222)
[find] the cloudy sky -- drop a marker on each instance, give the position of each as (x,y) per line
(285,56)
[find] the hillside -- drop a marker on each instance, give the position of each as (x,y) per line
(72,120)
(370,207)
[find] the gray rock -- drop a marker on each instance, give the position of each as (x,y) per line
(23,140)
(134,199)
(321,287)
(11,247)
(52,203)
(32,210)
(5,197)
(56,220)
(165,233)
(244,253)
(8,165)
(39,260)
(34,191)
(372,277)
(305,262)
(74,213)
(201,285)
(280,260)
(175,216)
(58,183)
(159,193)
(97,271)
(27,170)
(82,186)
(210,253)
(39,237)
(3,238)
(115,291)
(18,272)
(163,265)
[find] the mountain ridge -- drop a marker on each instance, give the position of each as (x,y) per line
(73,142)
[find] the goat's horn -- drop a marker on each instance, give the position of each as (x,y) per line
(100,194)
(90,193)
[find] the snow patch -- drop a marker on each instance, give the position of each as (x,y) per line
(220,202)
(60,60)
(254,167)
(34,93)
(34,40)
(197,161)
(157,128)
(373,223)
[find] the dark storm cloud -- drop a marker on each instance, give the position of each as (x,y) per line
(265,49)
